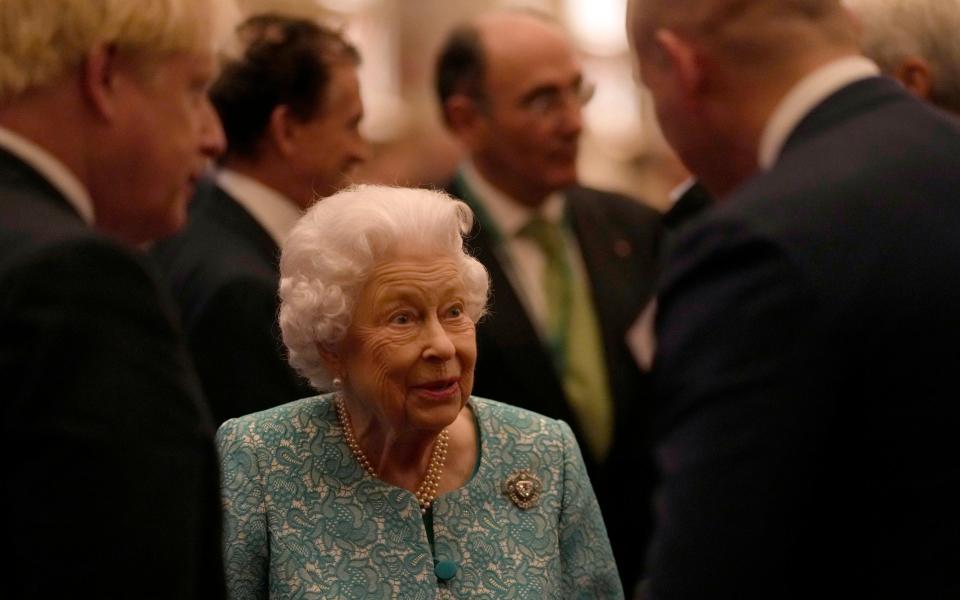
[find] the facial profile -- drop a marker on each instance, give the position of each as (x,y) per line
(526,120)
(329,145)
(166,132)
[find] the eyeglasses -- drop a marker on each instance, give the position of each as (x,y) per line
(552,101)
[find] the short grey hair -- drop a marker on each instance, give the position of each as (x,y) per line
(894,30)
(330,252)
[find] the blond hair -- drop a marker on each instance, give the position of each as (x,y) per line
(42,40)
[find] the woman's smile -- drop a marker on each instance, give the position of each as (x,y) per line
(438,389)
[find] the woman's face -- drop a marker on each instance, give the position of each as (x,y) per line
(409,354)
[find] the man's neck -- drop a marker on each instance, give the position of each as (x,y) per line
(743,118)
(514,188)
(271,175)
(44,118)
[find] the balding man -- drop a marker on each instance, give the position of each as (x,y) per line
(571,267)
(807,328)
(110,484)
(917,42)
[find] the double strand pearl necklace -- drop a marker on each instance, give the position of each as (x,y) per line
(427,492)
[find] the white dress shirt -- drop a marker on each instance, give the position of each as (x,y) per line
(803,97)
(521,257)
(276,213)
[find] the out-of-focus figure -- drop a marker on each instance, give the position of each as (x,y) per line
(110,479)
(290,105)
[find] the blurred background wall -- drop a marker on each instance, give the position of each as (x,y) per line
(621,149)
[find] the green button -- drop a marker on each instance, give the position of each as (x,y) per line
(445,570)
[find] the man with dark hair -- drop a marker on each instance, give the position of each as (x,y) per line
(807,358)
(571,267)
(290,106)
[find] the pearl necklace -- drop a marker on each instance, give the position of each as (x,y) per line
(427,492)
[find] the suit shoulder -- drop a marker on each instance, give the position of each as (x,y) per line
(78,255)
(614,204)
(30,224)
(221,245)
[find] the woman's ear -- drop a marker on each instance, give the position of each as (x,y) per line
(331,361)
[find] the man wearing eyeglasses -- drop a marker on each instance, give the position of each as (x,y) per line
(571,267)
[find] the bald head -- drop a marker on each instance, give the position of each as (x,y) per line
(519,31)
(463,60)
(512,90)
(717,69)
(757,33)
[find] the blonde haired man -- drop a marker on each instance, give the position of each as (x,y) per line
(111,484)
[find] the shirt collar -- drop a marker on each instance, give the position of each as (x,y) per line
(507,214)
(276,213)
(804,96)
(677,192)
(52,169)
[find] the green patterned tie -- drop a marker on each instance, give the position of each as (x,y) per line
(574,337)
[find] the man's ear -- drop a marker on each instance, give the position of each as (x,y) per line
(683,60)
(99,80)
(282,129)
(464,117)
(914,74)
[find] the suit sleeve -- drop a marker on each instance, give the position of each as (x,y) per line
(738,421)
(589,570)
(113,482)
(239,354)
(246,536)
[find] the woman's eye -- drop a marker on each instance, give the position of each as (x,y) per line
(455,311)
(400,319)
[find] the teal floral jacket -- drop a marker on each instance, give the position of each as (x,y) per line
(304,520)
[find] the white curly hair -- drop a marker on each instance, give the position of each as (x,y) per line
(332,249)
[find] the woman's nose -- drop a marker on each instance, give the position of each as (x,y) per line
(438,344)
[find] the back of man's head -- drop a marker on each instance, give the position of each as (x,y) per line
(763,33)
(717,69)
(282,61)
(917,42)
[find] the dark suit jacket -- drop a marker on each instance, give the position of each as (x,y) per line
(222,269)
(808,365)
(690,206)
(111,482)
(618,238)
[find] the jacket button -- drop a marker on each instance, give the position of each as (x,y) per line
(445,569)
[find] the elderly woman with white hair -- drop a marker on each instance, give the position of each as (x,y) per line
(399,484)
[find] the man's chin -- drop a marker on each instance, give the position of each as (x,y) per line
(563,178)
